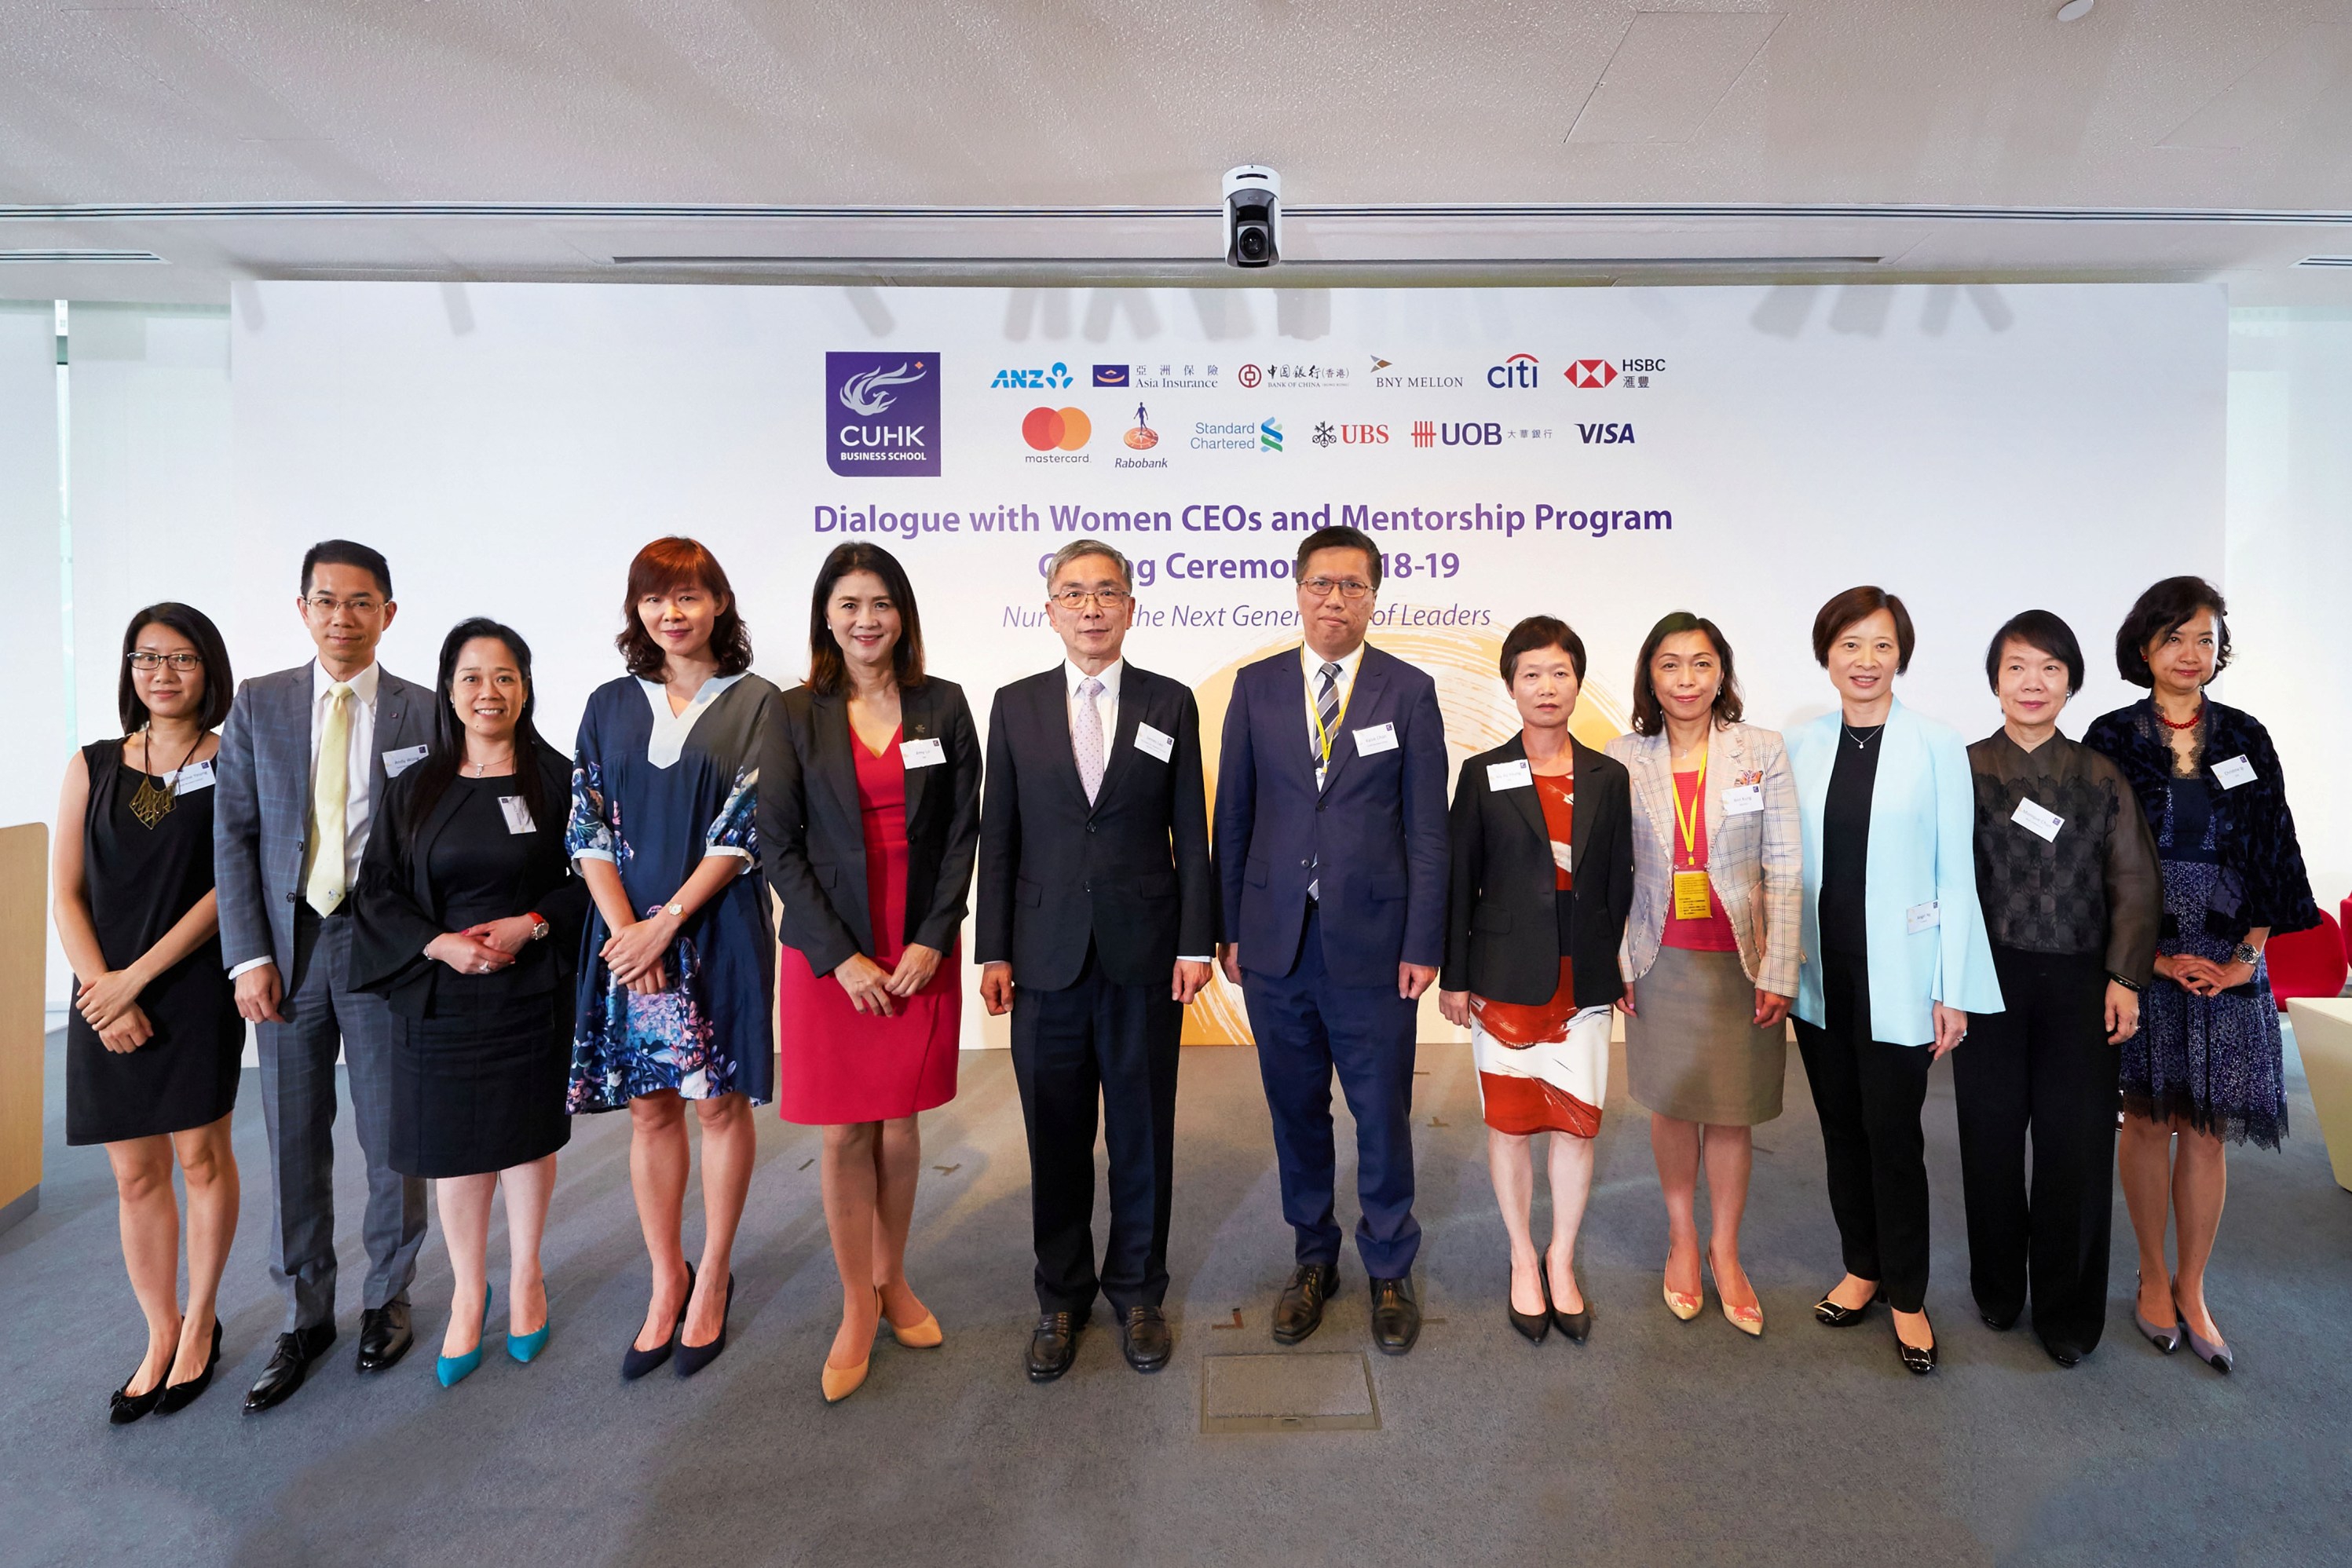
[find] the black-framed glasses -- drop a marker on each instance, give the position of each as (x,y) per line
(1348,588)
(1079,598)
(148,659)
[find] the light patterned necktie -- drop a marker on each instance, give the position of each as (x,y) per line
(1087,738)
(1327,710)
(330,791)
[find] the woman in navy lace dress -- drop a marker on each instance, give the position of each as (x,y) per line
(2204,1068)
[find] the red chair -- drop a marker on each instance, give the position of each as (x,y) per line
(2345,920)
(2308,963)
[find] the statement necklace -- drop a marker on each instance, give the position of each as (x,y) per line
(2188,722)
(149,804)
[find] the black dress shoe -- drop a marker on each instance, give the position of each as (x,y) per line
(1829,1314)
(178,1396)
(693,1358)
(123,1407)
(385,1336)
(637,1363)
(2000,1322)
(1144,1338)
(2065,1353)
(1917,1362)
(288,1364)
(1396,1316)
(1299,1311)
(1053,1346)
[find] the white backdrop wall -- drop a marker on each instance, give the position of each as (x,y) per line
(32,699)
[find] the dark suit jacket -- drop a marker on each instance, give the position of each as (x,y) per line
(1130,873)
(398,909)
(1378,827)
(1502,923)
(813,835)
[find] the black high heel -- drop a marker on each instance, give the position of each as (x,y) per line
(693,1358)
(178,1396)
(1829,1314)
(637,1363)
(1577,1325)
(123,1407)
(1532,1326)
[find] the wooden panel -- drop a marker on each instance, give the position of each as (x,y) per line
(2323,1033)
(23,953)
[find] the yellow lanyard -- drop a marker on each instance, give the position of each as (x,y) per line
(1687,822)
(1315,717)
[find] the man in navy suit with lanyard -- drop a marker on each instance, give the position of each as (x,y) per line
(1331,858)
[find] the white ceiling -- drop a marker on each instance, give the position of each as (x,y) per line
(949,140)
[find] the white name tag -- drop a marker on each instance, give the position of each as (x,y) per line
(396,763)
(1156,742)
(922,753)
(1742,799)
(2039,819)
(1516,775)
(1921,918)
(2234,772)
(1559,856)
(1378,737)
(195,776)
(518,812)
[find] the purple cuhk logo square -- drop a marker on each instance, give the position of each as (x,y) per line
(882,414)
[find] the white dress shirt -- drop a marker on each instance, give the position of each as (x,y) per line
(1107,709)
(1312,662)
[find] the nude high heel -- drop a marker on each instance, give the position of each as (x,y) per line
(1682,1306)
(924,1336)
(1749,1320)
(840,1382)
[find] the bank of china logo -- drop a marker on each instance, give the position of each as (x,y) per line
(1424,432)
(1324,434)
(1591,373)
(1269,435)
(1251,375)
(1110,376)
(1053,376)
(1051,429)
(882,414)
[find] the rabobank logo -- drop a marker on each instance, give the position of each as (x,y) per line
(1053,376)
(882,414)
(1269,435)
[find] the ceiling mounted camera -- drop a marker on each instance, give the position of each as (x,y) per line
(1252,216)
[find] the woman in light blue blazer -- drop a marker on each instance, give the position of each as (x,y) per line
(1895,953)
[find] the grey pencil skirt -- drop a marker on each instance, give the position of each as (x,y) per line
(1692,1051)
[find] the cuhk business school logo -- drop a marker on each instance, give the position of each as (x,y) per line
(882,416)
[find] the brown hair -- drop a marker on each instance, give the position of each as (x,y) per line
(1649,715)
(1541,632)
(2164,609)
(826,671)
(1855,605)
(676,563)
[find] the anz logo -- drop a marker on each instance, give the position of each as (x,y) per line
(1058,375)
(1606,434)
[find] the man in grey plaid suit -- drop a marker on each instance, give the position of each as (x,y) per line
(303,762)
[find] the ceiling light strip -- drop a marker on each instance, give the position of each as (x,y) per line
(59,258)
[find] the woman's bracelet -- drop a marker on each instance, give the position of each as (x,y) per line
(2130,986)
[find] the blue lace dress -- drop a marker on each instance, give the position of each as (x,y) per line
(653,793)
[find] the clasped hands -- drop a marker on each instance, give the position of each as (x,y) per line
(110,1003)
(876,991)
(996,985)
(2202,977)
(486,948)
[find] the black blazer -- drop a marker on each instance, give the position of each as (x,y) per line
(1130,873)
(813,835)
(396,909)
(1502,922)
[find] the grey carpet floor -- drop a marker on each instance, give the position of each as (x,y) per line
(1658,1442)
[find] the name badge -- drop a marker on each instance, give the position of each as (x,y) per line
(1378,737)
(1519,775)
(2038,819)
(396,763)
(1560,856)
(1692,901)
(195,776)
(929,753)
(1922,918)
(2234,772)
(1742,799)
(1158,743)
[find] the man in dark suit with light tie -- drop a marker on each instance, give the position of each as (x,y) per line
(1331,857)
(1098,917)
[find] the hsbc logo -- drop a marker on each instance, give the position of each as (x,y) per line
(1590,373)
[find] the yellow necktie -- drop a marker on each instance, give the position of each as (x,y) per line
(331,784)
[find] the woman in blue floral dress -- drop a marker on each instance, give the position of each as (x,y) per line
(2204,1070)
(678,970)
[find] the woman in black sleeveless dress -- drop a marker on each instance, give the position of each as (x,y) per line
(153,1044)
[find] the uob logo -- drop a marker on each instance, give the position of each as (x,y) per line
(882,413)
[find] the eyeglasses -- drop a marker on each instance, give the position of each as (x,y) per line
(358,604)
(1348,588)
(1079,598)
(145,659)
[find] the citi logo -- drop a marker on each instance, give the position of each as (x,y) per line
(1518,370)
(1591,373)
(1269,435)
(1057,375)
(1606,434)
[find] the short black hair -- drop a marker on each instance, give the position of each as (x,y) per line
(1338,537)
(2164,609)
(1856,605)
(346,552)
(1649,714)
(1541,632)
(220,681)
(2042,630)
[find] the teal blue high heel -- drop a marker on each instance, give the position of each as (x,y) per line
(525,1347)
(454,1369)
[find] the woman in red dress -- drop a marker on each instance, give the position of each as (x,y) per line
(869,816)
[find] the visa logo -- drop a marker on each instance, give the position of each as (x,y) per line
(1606,434)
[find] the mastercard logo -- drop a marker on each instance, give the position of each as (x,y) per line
(1049,428)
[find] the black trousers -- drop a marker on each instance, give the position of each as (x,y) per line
(1095,1039)
(2043,1067)
(1869,1095)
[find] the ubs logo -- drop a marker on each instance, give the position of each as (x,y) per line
(882,413)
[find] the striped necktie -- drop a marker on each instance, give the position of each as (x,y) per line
(1327,714)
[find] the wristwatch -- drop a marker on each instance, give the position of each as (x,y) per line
(2247,954)
(675,911)
(539,926)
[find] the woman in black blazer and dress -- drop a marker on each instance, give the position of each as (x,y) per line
(468,923)
(869,822)
(1542,881)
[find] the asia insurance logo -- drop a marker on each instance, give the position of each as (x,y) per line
(882,414)
(1112,376)
(1056,429)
